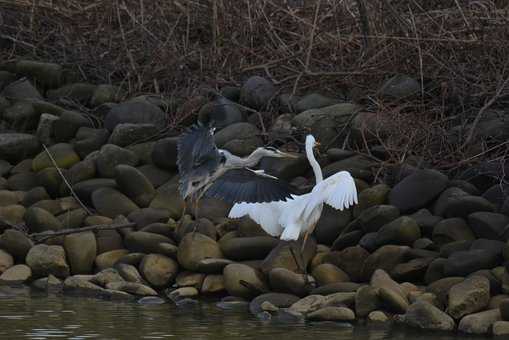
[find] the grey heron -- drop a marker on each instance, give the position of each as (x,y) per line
(208,171)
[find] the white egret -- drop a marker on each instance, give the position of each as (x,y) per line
(300,214)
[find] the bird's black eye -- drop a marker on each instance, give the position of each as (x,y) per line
(195,183)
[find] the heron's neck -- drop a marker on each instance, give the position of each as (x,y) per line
(233,161)
(314,164)
(253,159)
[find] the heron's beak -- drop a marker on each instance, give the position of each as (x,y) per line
(287,155)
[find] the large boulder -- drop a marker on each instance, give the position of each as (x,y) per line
(110,156)
(16,243)
(145,242)
(111,203)
(463,263)
(479,323)
(89,140)
(451,230)
(403,230)
(45,260)
(417,190)
(241,139)
(467,297)
(222,112)
(164,153)
(127,133)
(488,225)
(63,155)
(248,248)
(65,128)
(39,220)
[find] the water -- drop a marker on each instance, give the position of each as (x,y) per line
(29,315)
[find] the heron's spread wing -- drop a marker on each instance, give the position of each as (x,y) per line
(195,147)
(338,191)
(198,157)
(244,185)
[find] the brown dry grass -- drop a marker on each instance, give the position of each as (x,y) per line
(458,50)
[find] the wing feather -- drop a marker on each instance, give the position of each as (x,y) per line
(265,214)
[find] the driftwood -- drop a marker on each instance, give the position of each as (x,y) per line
(41,237)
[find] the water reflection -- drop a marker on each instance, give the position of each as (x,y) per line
(34,316)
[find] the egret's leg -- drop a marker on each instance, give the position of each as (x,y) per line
(306,236)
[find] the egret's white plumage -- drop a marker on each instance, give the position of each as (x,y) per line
(300,214)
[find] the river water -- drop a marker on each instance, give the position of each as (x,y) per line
(28,315)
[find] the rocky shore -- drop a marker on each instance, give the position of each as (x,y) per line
(421,249)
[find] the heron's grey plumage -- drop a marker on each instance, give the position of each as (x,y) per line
(205,169)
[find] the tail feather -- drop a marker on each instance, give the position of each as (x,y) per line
(291,233)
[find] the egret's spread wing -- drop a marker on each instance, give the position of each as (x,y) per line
(338,191)
(244,185)
(195,147)
(265,214)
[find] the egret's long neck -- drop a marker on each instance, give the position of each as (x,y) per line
(314,164)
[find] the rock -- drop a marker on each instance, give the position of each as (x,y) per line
(257,92)
(350,260)
(463,263)
(39,220)
(488,225)
(212,265)
(105,93)
(400,86)
(81,286)
(393,301)
(12,213)
(470,296)
(426,316)
(109,202)
(89,140)
(279,300)
(248,248)
(69,123)
(440,288)
(47,74)
(213,284)
(45,260)
(182,293)
(373,218)
(155,175)
(15,147)
(158,270)
(504,309)
(22,182)
(417,190)
(331,223)
(332,314)
(109,258)
(377,317)
(366,301)
(160,228)
(73,218)
(370,197)
(501,328)
(403,231)
(110,156)
(6,261)
(81,92)
(134,184)
(314,101)
(452,229)
(33,196)
(189,279)
(106,276)
(308,304)
(21,89)
(359,166)
(322,122)
(144,242)
(85,188)
(202,226)
(236,274)
(285,281)
(132,288)
(281,256)
(386,258)
(241,139)
(327,273)
(195,247)
(129,272)
(81,250)
(149,216)
(44,131)
(462,206)
(143,150)
(135,112)
(17,274)
(222,112)
(426,221)
(127,133)
(338,287)
(479,323)
(412,271)
(164,153)
(21,116)
(63,155)
(15,243)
